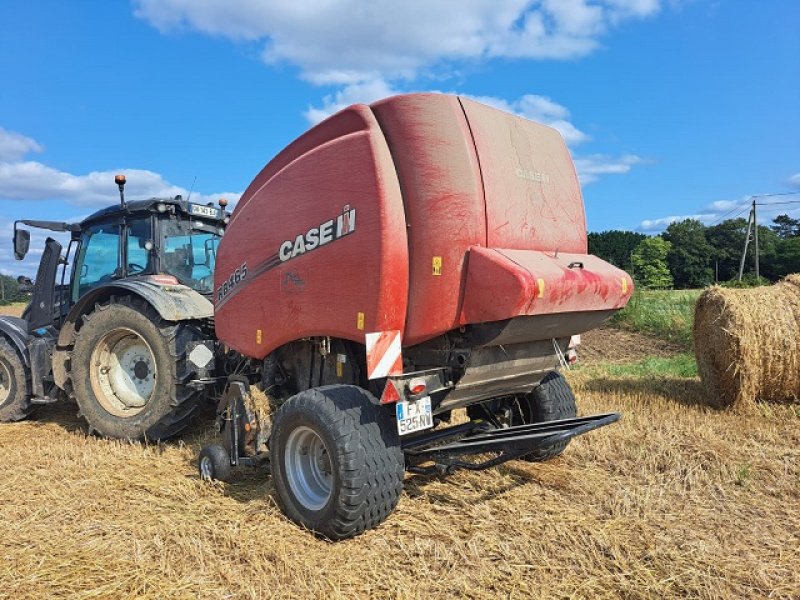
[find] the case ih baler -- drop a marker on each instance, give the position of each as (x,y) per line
(396,262)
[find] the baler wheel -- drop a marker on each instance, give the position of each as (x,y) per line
(214,463)
(336,461)
(129,371)
(552,400)
(15,401)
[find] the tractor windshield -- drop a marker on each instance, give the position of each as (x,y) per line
(188,251)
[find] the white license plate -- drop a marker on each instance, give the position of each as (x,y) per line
(414,416)
(204,211)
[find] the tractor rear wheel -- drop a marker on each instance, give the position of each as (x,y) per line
(336,461)
(15,399)
(129,372)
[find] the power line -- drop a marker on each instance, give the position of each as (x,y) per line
(746,204)
(741,207)
(775,194)
(778,203)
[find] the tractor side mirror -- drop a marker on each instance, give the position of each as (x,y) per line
(22,241)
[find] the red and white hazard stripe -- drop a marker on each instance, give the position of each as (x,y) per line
(384,356)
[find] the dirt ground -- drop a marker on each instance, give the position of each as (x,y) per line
(615,345)
(676,500)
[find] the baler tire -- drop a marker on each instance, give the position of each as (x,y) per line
(551,400)
(171,403)
(214,463)
(352,437)
(16,403)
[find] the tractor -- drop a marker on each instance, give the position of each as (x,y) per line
(122,321)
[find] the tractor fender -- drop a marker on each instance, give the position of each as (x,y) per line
(16,330)
(172,302)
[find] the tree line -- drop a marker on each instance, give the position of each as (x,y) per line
(689,254)
(14,290)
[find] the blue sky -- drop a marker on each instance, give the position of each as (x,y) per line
(671,108)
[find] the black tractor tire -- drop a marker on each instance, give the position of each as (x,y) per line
(551,400)
(214,463)
(15,385)
(167,404)
(336,461)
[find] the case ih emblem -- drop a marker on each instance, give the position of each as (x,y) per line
(327,232)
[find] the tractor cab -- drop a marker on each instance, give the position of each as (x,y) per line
(166,240)
(109,316)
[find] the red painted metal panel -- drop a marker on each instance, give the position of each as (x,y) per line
(489,218)
(533,199)
(294,288)
(344,123)
(432,148)
(503,283)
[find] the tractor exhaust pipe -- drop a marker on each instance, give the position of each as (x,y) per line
(120,181)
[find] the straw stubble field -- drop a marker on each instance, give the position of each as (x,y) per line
(675,500)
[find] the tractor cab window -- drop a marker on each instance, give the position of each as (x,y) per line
(140,231)
(189,252)
(98,260)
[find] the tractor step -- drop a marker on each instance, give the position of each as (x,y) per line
(445,448)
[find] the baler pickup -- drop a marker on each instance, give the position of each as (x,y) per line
(506,443)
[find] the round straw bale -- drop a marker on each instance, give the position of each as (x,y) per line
(747,343)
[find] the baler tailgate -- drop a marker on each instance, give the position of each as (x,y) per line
(508,443)
(503,284)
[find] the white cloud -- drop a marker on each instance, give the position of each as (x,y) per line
(591,167)
(28,267)
(718,211)
(542,110)
(31,180)
(656,225)
(794,181)
(364,92)
(722,206)
(351,41)
(13,146)
(366,48)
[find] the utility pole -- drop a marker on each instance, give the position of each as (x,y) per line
(746,240)
(2,288)
(755,236)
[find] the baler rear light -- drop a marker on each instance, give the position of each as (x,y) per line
(417,386)
(390,393)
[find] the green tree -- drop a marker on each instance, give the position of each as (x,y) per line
(9,290)
(650,263)
(786,227)
(691,256)
(615,246)
(787,257)
(727,238)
